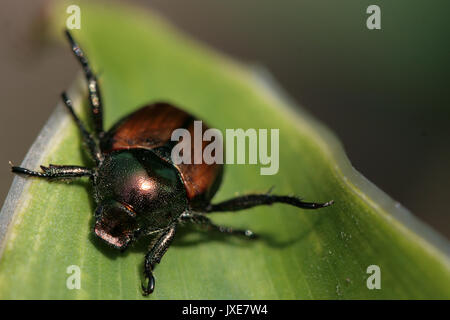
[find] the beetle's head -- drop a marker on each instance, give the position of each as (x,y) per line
(115,224)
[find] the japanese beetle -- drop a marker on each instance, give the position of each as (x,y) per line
(138,190)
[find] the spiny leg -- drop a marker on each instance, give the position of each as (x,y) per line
(55,172)
(93,87)
(253,200)
(90,143)
(205,222)
(154,256)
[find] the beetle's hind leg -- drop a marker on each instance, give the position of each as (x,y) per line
(55,172)
(158,249)
(206,223)
(253,200)
(95,99)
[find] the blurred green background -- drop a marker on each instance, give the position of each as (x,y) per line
(384,92)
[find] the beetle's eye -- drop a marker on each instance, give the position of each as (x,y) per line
(115,224)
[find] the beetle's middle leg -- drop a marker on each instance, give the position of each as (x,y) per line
(90,143)
(154,256)
(55,172)
(205,222)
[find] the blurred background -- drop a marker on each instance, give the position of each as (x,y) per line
(385,93)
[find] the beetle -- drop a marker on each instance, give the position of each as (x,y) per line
(138,190)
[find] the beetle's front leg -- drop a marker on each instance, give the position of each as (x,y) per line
(53,172)
(154,256)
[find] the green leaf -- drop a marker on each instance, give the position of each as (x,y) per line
(47,226)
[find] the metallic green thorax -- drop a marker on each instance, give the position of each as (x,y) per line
(136,190)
